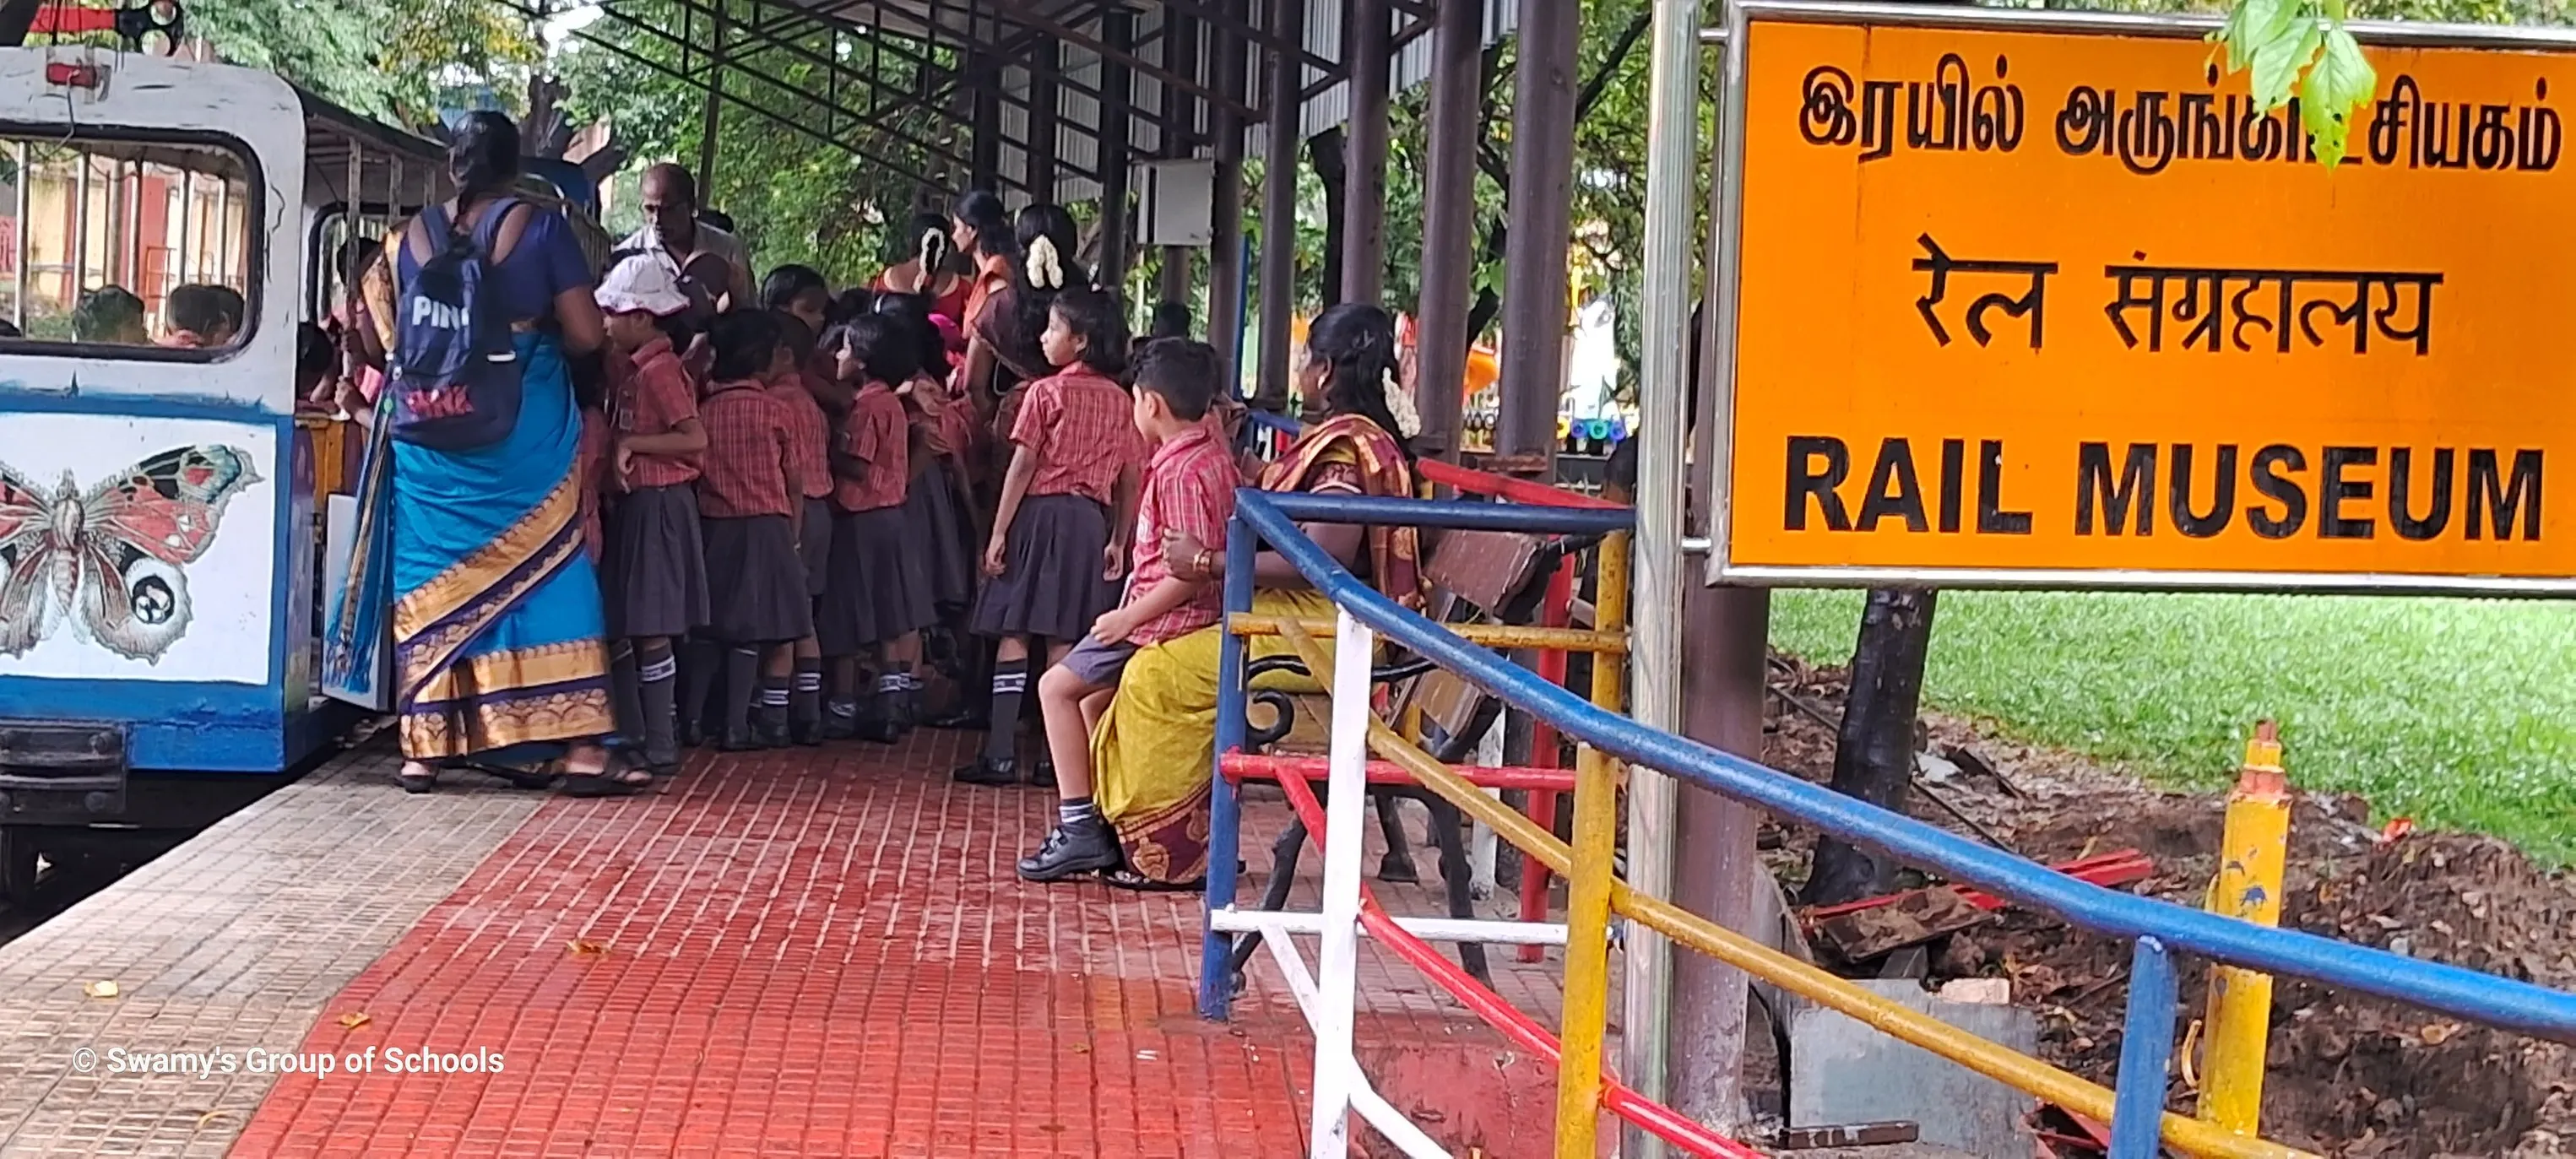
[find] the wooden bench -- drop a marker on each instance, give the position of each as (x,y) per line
(1493,577)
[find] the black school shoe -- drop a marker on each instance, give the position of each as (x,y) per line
(987,771)
(1071,849)
(741,740)
(1043,775)
(806,733)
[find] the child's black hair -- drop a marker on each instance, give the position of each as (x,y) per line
(198,310)
(678,329)
(314,353)
(745,343)
(108,314)
(234,308)
(1184,372)
(1094,316)
(787,283)
(851,303)
(1171,320)
(880,344)
(913,311)
(794,334)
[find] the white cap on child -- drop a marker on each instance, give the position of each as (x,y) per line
(641,283)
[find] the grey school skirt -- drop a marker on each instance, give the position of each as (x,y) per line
(943,566)
(1050,584)
(869,601)
(653,577)
(755,582)
(815,549)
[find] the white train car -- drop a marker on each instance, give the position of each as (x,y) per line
(165,507)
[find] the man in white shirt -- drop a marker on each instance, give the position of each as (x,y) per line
(671,225)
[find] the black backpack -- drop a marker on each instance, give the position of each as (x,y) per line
(455,373)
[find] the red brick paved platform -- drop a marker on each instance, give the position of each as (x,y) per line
(797,953)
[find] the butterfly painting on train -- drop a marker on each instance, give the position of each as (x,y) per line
(113,558)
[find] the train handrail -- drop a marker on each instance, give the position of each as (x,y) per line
(2469,994)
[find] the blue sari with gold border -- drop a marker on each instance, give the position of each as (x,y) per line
(474,562)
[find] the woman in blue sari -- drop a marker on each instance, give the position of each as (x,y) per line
(475,559)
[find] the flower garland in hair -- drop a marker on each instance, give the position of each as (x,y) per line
(1399,406)
(1045,271)
(934,248)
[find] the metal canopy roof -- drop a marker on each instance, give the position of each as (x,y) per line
(965,52)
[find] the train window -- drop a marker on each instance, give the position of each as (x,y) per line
(135,247)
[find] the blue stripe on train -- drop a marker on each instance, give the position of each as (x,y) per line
(216,728)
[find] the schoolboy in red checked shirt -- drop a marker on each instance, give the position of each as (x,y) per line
(1188,488)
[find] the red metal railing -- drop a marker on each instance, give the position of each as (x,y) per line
(1507,1019)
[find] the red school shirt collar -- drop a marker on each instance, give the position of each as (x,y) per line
(1181,444)
(1079,372)
(717,388)
(659,347)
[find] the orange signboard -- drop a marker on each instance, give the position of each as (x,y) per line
(2016,298)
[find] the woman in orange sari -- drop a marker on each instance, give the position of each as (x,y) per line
(1155,749)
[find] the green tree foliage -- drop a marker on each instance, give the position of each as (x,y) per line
(389,59)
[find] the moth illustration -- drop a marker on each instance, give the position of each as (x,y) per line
(115,554)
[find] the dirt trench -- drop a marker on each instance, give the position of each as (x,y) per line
(2348,1075)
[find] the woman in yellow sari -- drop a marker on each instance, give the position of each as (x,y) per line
(1155,749)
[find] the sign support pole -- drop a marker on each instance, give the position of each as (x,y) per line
(1672,159)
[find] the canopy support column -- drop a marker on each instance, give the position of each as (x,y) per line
(1180,122)
(1364,188)
(1041,147)
(984,110)
(1449,225)
(1117,162)
(1541,213)
(711,120)
(1279,201)
(1225,241)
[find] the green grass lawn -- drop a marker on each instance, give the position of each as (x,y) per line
(2456,713)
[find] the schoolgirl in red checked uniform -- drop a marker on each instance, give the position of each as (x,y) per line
(868,603)
(1058,545)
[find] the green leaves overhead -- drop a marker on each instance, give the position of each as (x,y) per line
(386,58)
(2301,48)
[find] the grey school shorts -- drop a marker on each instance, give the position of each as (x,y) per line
(1098,664)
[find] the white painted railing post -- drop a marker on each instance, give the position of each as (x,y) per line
(1337,966)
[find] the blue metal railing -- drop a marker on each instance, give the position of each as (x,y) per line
(2158,927)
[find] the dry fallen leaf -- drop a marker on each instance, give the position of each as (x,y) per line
(101,989)
(210,1117)
(355,1020)
(585,946)
(2438,1033)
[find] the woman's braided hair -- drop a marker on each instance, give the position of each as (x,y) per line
(1356,343)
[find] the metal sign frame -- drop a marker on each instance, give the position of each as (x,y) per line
(1726,279)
